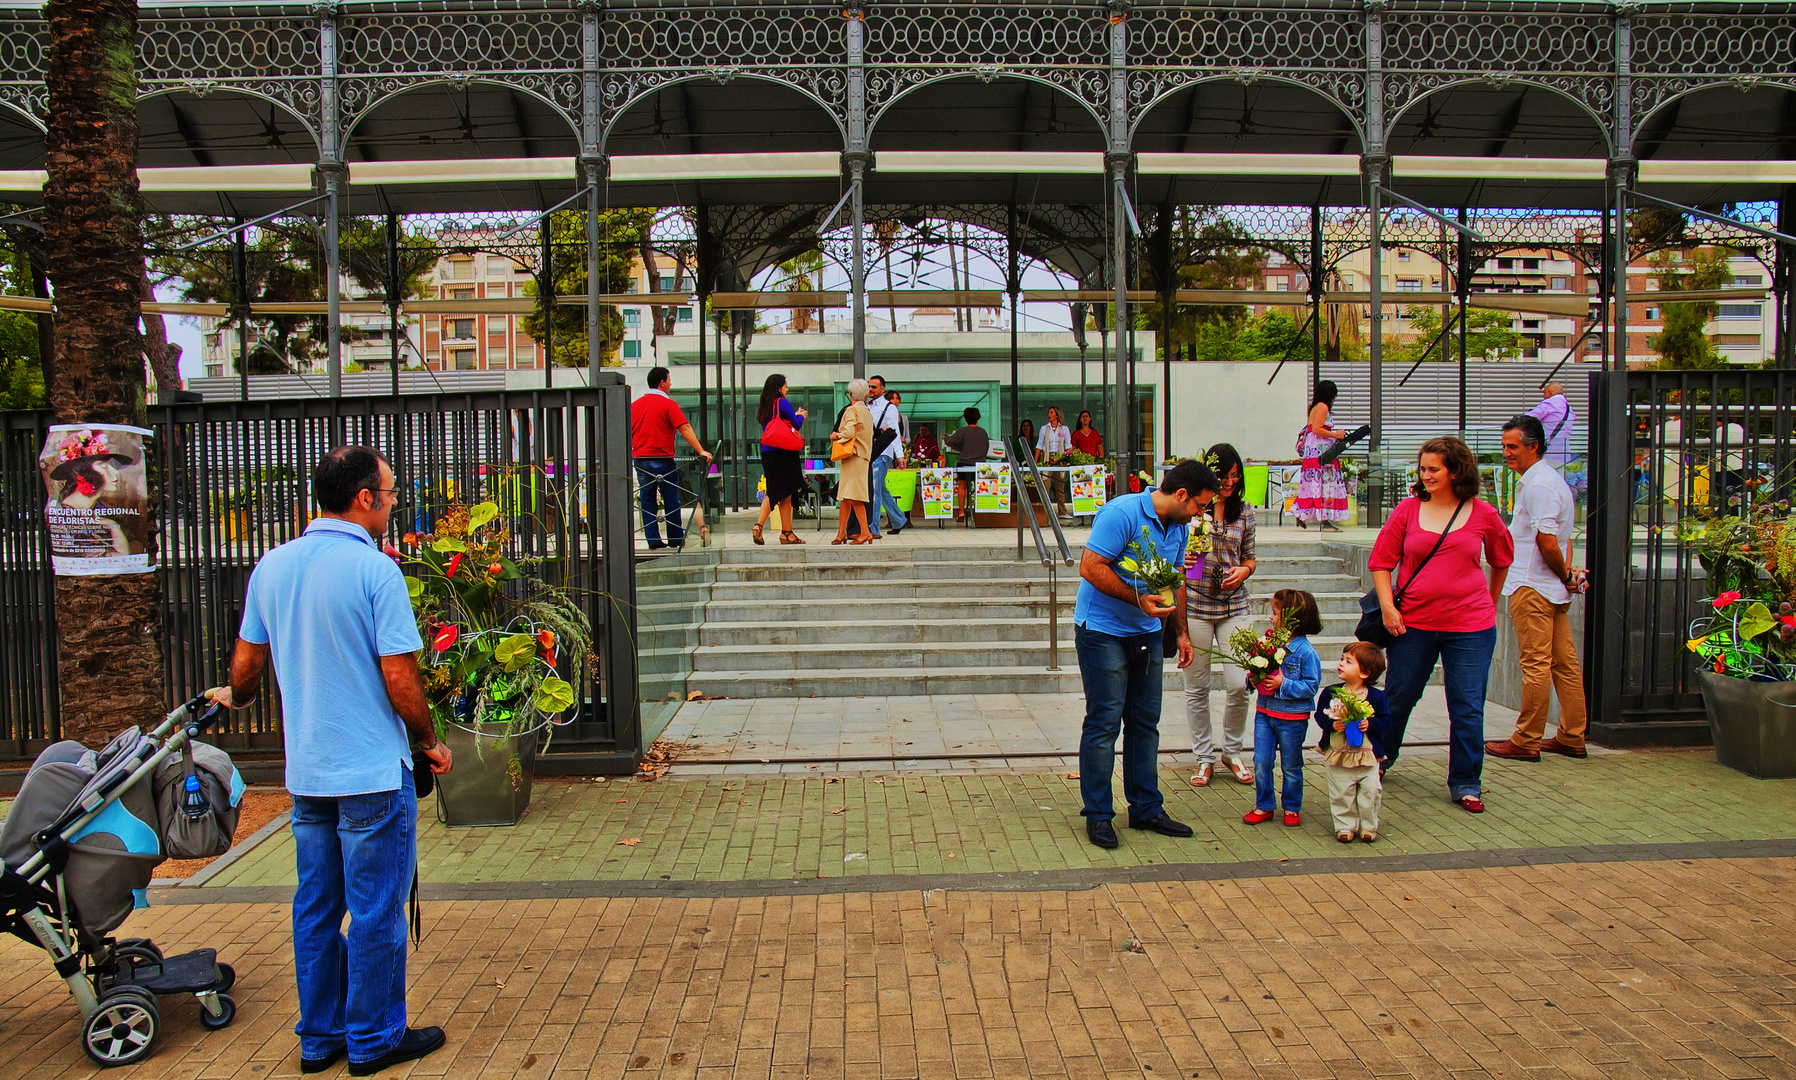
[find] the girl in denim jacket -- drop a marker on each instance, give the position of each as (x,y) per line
(1287,701)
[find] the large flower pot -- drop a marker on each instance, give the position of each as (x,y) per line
(481,787)
(1753,723)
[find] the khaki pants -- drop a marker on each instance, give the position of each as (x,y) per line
(1549,663)
(1354,796)
(1206,634)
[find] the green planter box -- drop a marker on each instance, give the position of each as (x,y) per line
(902,483)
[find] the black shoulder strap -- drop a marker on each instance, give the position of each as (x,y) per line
(1398,599)
(1560,426)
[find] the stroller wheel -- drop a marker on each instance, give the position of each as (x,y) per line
(223,1019)
(128,955)
(227,977)
(142,946)
(122,1030)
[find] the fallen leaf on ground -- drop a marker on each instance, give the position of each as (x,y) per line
(629,841)
(1135,946)
(500,983)
(1072,776)
(839,810)
(696,695)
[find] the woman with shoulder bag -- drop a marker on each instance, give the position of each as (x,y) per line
(781,463)
(1444,607)
(852,450)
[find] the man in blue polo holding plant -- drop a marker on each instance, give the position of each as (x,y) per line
(1136,549)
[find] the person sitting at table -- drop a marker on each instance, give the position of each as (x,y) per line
(924,447)
(971,444)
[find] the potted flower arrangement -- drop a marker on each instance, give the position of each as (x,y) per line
(1199,545)
(1153,574)
(1257,654)
(496,638)
(1745,638)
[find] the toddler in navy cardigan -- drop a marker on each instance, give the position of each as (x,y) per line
(1354,790)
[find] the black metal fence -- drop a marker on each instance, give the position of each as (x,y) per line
(1666,444)
(234,481)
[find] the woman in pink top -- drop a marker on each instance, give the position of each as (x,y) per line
(1448,612)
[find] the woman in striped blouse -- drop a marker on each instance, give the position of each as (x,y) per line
(1214,608)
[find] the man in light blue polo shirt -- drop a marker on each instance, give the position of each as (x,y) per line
(1117,628)
(331,611)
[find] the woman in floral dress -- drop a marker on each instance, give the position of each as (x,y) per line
(1321,489)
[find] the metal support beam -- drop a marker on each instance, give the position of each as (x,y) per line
(1375,444)
(393,298)
(1403,200)
(333,278)
(1014,285)
(240,293)
(545,287)
(858,263)
(594,288)
(1463,286)
(1667,204)
(1316,272)
(1786,288)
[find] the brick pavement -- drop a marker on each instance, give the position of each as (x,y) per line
(756,828)
(1622,970)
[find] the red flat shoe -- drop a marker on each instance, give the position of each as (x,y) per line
(1254,817)
(1472,804)
(1292,819)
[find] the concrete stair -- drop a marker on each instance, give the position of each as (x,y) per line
(829,621)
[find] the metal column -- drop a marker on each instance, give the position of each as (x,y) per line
(1375,404)
(393,297)
(1316,275)
(1013,284)
(240,291)
(333,274)
(1463,286)
(546,286)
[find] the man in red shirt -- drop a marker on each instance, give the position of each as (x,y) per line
(654,419)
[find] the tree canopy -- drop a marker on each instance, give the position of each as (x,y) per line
(1683,341)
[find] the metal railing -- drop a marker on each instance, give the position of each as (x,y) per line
(234,480)
(1021,456)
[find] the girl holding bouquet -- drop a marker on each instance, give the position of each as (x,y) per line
(1287,699)
(1354,717)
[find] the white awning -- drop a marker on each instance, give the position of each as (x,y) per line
(989,161)
(726,166)
(1248,164)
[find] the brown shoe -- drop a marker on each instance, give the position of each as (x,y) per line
(1554,746)
(1507,749)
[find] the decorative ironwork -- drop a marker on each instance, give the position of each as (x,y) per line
(186,50)
(462,41)
(359,96)
(1172,47)
(1425,51)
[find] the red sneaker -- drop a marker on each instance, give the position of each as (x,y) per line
(1254,817)
(1290,818)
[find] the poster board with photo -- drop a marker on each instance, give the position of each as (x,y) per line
(937,489)
(98,508)
(1088,484)
(991,487)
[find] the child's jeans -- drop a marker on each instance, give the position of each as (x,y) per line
(1285,739)
(1354,796)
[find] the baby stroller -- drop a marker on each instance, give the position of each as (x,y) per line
(77,851)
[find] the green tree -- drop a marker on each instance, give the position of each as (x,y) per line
(1683,341)
(1269,336)
(798,271)
(622,233)
(21,341)
(283,264)
(1489,335)
(1209,252)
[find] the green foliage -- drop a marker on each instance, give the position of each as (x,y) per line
(1488,335)
(1683,343)
(1261,337)
(621,233)
(21,354)
(1210,253)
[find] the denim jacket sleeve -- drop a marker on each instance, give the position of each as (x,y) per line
(1302,670)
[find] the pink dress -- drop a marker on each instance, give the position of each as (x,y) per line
(1321,489)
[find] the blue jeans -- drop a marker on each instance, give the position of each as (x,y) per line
(658,481)
(1465,659)
(1122,694)
(356,853)
(1283,738)
(883,499)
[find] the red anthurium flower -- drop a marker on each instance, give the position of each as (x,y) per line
(455,564)
(494,568)
(409,539)
(546,638)
(1789,620)
(391,551)
(1720,602)
(445,638)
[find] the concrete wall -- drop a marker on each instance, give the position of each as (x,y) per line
(1231,403)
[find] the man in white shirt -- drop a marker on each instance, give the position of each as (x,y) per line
(1055,440)
(885,417)
(1556,416)
(1538,587)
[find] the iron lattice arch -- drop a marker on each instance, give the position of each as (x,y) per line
(330,64)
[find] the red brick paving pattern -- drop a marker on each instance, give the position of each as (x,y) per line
(1617,970)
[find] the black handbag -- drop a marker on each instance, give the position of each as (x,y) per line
(1371,614)
(1339,446)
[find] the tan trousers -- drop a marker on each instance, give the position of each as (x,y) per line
(1354,796)
(1549,663)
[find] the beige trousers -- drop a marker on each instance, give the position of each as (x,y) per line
(1354,796)
(1204,635)
(1549,663)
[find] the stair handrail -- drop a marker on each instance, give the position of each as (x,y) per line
(1025,510)
(1041,486)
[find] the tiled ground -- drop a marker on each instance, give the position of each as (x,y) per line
(958,726)
(749,828)
(1620,970)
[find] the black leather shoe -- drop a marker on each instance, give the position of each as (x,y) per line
(1102,833)
(316,1065)
(1163,825)
(414,1044)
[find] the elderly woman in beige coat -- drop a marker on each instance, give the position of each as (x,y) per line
(853,489)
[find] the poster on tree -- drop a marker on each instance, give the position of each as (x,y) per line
(98,511)
(938,493)
(991,493)
(1088,488)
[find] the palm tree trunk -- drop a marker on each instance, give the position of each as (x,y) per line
(109,629)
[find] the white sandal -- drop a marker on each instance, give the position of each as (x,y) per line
(1201,778)
(1243,773)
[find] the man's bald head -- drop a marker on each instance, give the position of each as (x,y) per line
(1551,389)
